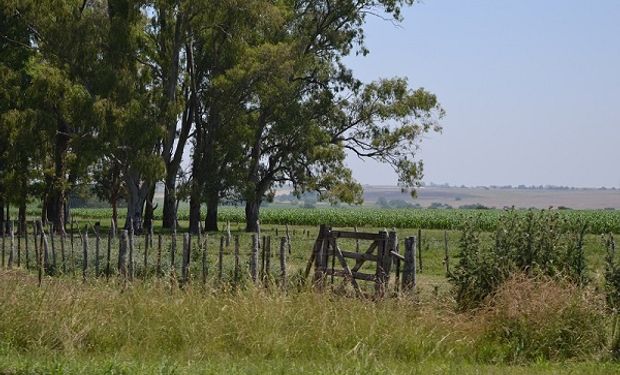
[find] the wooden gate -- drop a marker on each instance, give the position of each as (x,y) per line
(330,260)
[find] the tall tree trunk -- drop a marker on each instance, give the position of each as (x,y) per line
(149,210)
(56,197)
(252,213)
(170,199)
(137,192)
(213,200)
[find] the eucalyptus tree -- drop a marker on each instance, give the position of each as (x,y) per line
(306,109)
(167,40)
(61,40)
(220,32)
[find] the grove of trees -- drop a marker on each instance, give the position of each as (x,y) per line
(256,93)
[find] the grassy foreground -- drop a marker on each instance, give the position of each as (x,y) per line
(70,327)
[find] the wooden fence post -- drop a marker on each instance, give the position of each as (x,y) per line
(228,236)
(19,245)
(26,250)
(236,271)
(84,254)
(109,253)
(44,248)
(147,242)
(419,248)
(159,245)
(123,246)
(288,239)
(97,246)
(268,258)
(319,257)
(173,249)
(262,256)
(53,248)
(185,262)
(72,251)
(381,273)
(63,256)
(254,258)
(130,265)
(205,270)
(220,260)
(11,245)
(446,258)
(409,269)
(283,277)
(3,243)
(40,256)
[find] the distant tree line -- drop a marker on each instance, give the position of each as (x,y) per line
(113,93)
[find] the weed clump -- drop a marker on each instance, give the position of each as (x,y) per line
(532,319)
(535,244)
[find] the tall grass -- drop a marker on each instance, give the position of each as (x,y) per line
(103,327)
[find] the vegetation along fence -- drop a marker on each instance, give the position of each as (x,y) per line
(94,253)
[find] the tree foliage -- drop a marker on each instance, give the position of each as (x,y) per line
(109,92)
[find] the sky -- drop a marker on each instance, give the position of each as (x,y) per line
(531,89)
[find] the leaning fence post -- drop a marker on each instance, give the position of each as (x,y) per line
(283,278)
(254,258)
(409,269)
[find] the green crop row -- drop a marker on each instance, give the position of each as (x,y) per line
(600,221)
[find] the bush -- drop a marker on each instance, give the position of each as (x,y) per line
(538,243)
(542,318)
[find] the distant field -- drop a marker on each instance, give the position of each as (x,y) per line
(499,198)
(599,221)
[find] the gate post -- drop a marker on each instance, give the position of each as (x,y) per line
(382,264)
(409,272)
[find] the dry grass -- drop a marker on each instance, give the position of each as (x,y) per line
(532,319)
(153,328)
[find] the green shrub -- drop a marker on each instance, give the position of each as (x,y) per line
(530,319)
(537,243)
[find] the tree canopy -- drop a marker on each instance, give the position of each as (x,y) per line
(115,93)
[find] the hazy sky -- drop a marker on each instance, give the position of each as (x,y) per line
(531,89)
